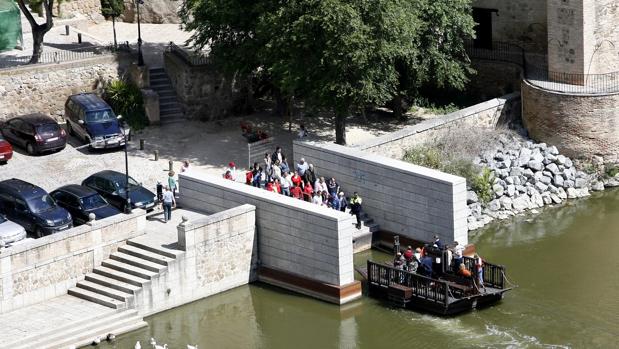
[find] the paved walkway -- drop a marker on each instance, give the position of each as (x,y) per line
(45,317)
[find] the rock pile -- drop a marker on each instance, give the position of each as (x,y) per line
(528,176)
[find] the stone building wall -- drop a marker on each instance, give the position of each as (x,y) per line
(204,93)
(606,32)
(493,79)
(45,268)
(44,88)
(153,11)
(580,126)
(89,8)
(403,198)
(521,22)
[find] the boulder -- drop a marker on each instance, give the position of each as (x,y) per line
(475,209)
(611,182)
(511,190)
(528,173)
(485,219)
(537,157)
(560,160)
(537,177)
(558,180)
(504,164)
(516,172)
(498,190)
(522,203)
(506,203)
(552,150)
(561,193)
(597,186)
(524,156)
(537,200)
(546,180)
(535,165)
(471,197)
(499,156)
(546,198)
(509,180)
(541,187)
(568,162)
(494,205)
(572,193)
(568,174)
(568,184)
(555,199)
(521,188)
(552,189)
(582,192)
(553,168)
(580,183)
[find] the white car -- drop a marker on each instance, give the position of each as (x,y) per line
(10,232)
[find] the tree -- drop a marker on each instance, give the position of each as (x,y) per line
(338,55)
(38,30)
(112,8)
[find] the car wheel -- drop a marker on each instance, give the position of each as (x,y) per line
(30,149)
(70,129)
(38,233)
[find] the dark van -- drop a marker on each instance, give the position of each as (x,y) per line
(93,121)
(33,208)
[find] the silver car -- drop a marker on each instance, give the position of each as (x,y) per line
(10,232)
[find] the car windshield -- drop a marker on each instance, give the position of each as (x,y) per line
(100,116)
(120,184)
(41,204)
(48,128)
(92,202)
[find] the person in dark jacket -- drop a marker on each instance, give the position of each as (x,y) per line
(355,208)
(437,241)
(425,266)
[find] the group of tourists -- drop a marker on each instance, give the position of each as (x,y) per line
(426,261)
(298,181)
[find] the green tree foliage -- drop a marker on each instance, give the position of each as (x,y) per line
(126,100)
(338,55)
(113,9)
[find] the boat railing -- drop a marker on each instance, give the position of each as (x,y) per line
(432,290)
(494,275)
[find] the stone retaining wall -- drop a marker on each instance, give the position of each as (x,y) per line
(487,114)
(402,198)
(296,239)
(89,8)
(580,126)
(41,269)
(44,88)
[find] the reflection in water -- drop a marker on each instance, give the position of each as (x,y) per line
(564,261)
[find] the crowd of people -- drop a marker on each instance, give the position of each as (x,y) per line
(422,262)
(298,181)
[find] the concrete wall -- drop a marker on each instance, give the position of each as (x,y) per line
(220,254)
(294,237)
(405,199)
(522,22)
(44,88)
(38,270)
(487,114)
(579,125)
(204,94)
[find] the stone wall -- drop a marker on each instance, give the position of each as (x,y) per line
(402,198)
(204,93)
(522,22)
(580,126)
(304,247)
(220,254)
(45,268)
(491,113)
(153,11)
(44,88)
(89,8)
(493,79)
(606,33)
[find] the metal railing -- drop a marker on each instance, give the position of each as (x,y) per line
(64,55)
(494,275)
(192,57)
(535,70)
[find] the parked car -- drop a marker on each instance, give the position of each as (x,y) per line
(93,121)
(6,150)
(33,208)
(81,201)
(111,185)
(37,133)
(10,232)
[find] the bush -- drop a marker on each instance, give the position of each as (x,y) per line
(482,185)
(611,170)
(424,156)
(126,100)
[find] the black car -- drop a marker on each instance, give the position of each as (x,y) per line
(111,185)
(81,201)
(32,208)
(37,133)
(93,121)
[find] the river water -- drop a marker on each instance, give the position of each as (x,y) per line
(565,261)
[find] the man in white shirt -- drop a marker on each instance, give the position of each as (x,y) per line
(458,254)
(168,203)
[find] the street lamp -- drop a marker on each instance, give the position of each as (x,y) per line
(127,198)
(140,57)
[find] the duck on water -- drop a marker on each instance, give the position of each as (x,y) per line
(437,278)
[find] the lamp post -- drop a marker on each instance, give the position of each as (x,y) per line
(127,198)
(140,57)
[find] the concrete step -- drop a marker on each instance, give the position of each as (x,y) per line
(97,298)
(169,104)
(82,339)
(155,249)
(166,93)
(170,108)
(156,70)
(129,269)
(145,254)
(112,283)
(46,339)
(160,82)
(168,99)
(121,276)
(172,121)
(158,75)
(106,291)
(138,262)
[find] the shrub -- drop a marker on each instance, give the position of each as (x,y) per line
(126,99)
(424,156)
(611,170)
(482,185)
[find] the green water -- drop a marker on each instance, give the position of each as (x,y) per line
(565,260)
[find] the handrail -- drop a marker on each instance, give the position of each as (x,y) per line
(538,74)
(493,274)
(190,57)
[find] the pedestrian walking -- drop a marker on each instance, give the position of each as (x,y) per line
(168,203)
(172,184)
(355,207)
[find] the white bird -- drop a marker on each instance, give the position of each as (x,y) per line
(153,342)
(192,346)
(137,345)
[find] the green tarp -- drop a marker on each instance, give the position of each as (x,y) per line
(10,25)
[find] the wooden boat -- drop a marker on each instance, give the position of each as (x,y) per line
(448,294)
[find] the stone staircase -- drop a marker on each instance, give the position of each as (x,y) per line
(362,238)
(169,108)
(119,279)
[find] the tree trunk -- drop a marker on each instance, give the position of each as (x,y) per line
(340,127)
(114,30)
(38,33)
(398,112)
(38,30)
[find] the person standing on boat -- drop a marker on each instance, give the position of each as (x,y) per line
(479,269)
(408,256)
(438,242)
(458,255)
